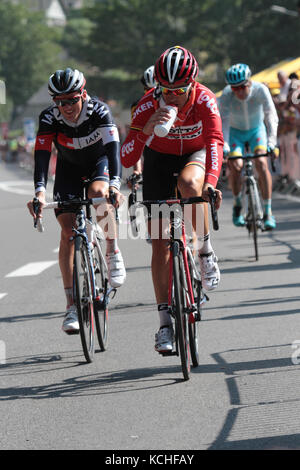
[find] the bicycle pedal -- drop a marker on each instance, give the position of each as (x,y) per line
(167,353)
(113,291)
(72,332)
(204,299)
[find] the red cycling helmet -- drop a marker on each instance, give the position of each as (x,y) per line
(176,66)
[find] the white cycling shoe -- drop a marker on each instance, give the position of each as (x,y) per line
(210,272)
(70,324)
(116,269)
(164,339)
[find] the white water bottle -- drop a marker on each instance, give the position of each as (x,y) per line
(161,130)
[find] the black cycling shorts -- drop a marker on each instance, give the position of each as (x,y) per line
(69,180)
(159,168)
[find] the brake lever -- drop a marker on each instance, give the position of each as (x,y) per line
(214,214)
(37,223)
(113,198)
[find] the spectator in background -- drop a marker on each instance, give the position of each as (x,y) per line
(289,153)
(284,82)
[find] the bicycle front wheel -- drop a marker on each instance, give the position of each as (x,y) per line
(181,320)
(101,295)
(194,322)
(84,299)
(252,227)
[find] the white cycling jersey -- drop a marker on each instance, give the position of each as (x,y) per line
(250,113)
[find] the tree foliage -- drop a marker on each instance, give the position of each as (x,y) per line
(129,35)
(28,51)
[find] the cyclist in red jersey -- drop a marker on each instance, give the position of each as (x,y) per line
(193,149)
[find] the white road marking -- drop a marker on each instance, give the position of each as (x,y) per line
(19,187)
(14,187)
(32,269)
(2,295)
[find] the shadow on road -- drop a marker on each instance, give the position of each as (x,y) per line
(119,381)
(242,418)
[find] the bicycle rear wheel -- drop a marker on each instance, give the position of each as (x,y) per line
(101,295)
(181,320)
(83,297)
(251,222)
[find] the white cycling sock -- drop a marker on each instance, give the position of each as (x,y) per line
(206,244)
(164,316)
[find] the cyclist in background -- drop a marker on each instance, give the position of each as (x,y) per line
(148,81)
(193,149)
(248,115)
(87,142)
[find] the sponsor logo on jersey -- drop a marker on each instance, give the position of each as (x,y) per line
(92,138)
(186,132)
(101,110)
(48,118)
(128,148)
(214,156)
(210,102)
(143,107)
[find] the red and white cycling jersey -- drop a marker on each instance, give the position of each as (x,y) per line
(198,125)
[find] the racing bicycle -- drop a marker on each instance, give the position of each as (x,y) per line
(254,216)
(185,293)
(91,289)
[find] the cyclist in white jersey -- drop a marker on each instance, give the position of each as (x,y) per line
(248,115)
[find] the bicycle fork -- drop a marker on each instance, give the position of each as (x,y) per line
(190,306)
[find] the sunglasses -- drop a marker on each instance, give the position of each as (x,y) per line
(70,101)
(240,87)
(175,91)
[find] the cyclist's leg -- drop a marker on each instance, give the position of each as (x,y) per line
(99,187)
(258,145)
(67,185)
(237,142)
(158,184)
(190,184)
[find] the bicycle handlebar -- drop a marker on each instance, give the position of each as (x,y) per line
(248,156)
(64,204)
(190,200)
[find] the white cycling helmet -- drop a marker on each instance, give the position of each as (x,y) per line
(66,81)
(148,79)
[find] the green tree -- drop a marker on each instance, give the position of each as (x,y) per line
(28,51)
(120,38)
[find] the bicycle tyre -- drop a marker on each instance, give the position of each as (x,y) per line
(194,325)
(181,320)
(100,305)
(252,211)
(83,297)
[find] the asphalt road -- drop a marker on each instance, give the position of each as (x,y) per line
(244,394)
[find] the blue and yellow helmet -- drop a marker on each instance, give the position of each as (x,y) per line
(238,74)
